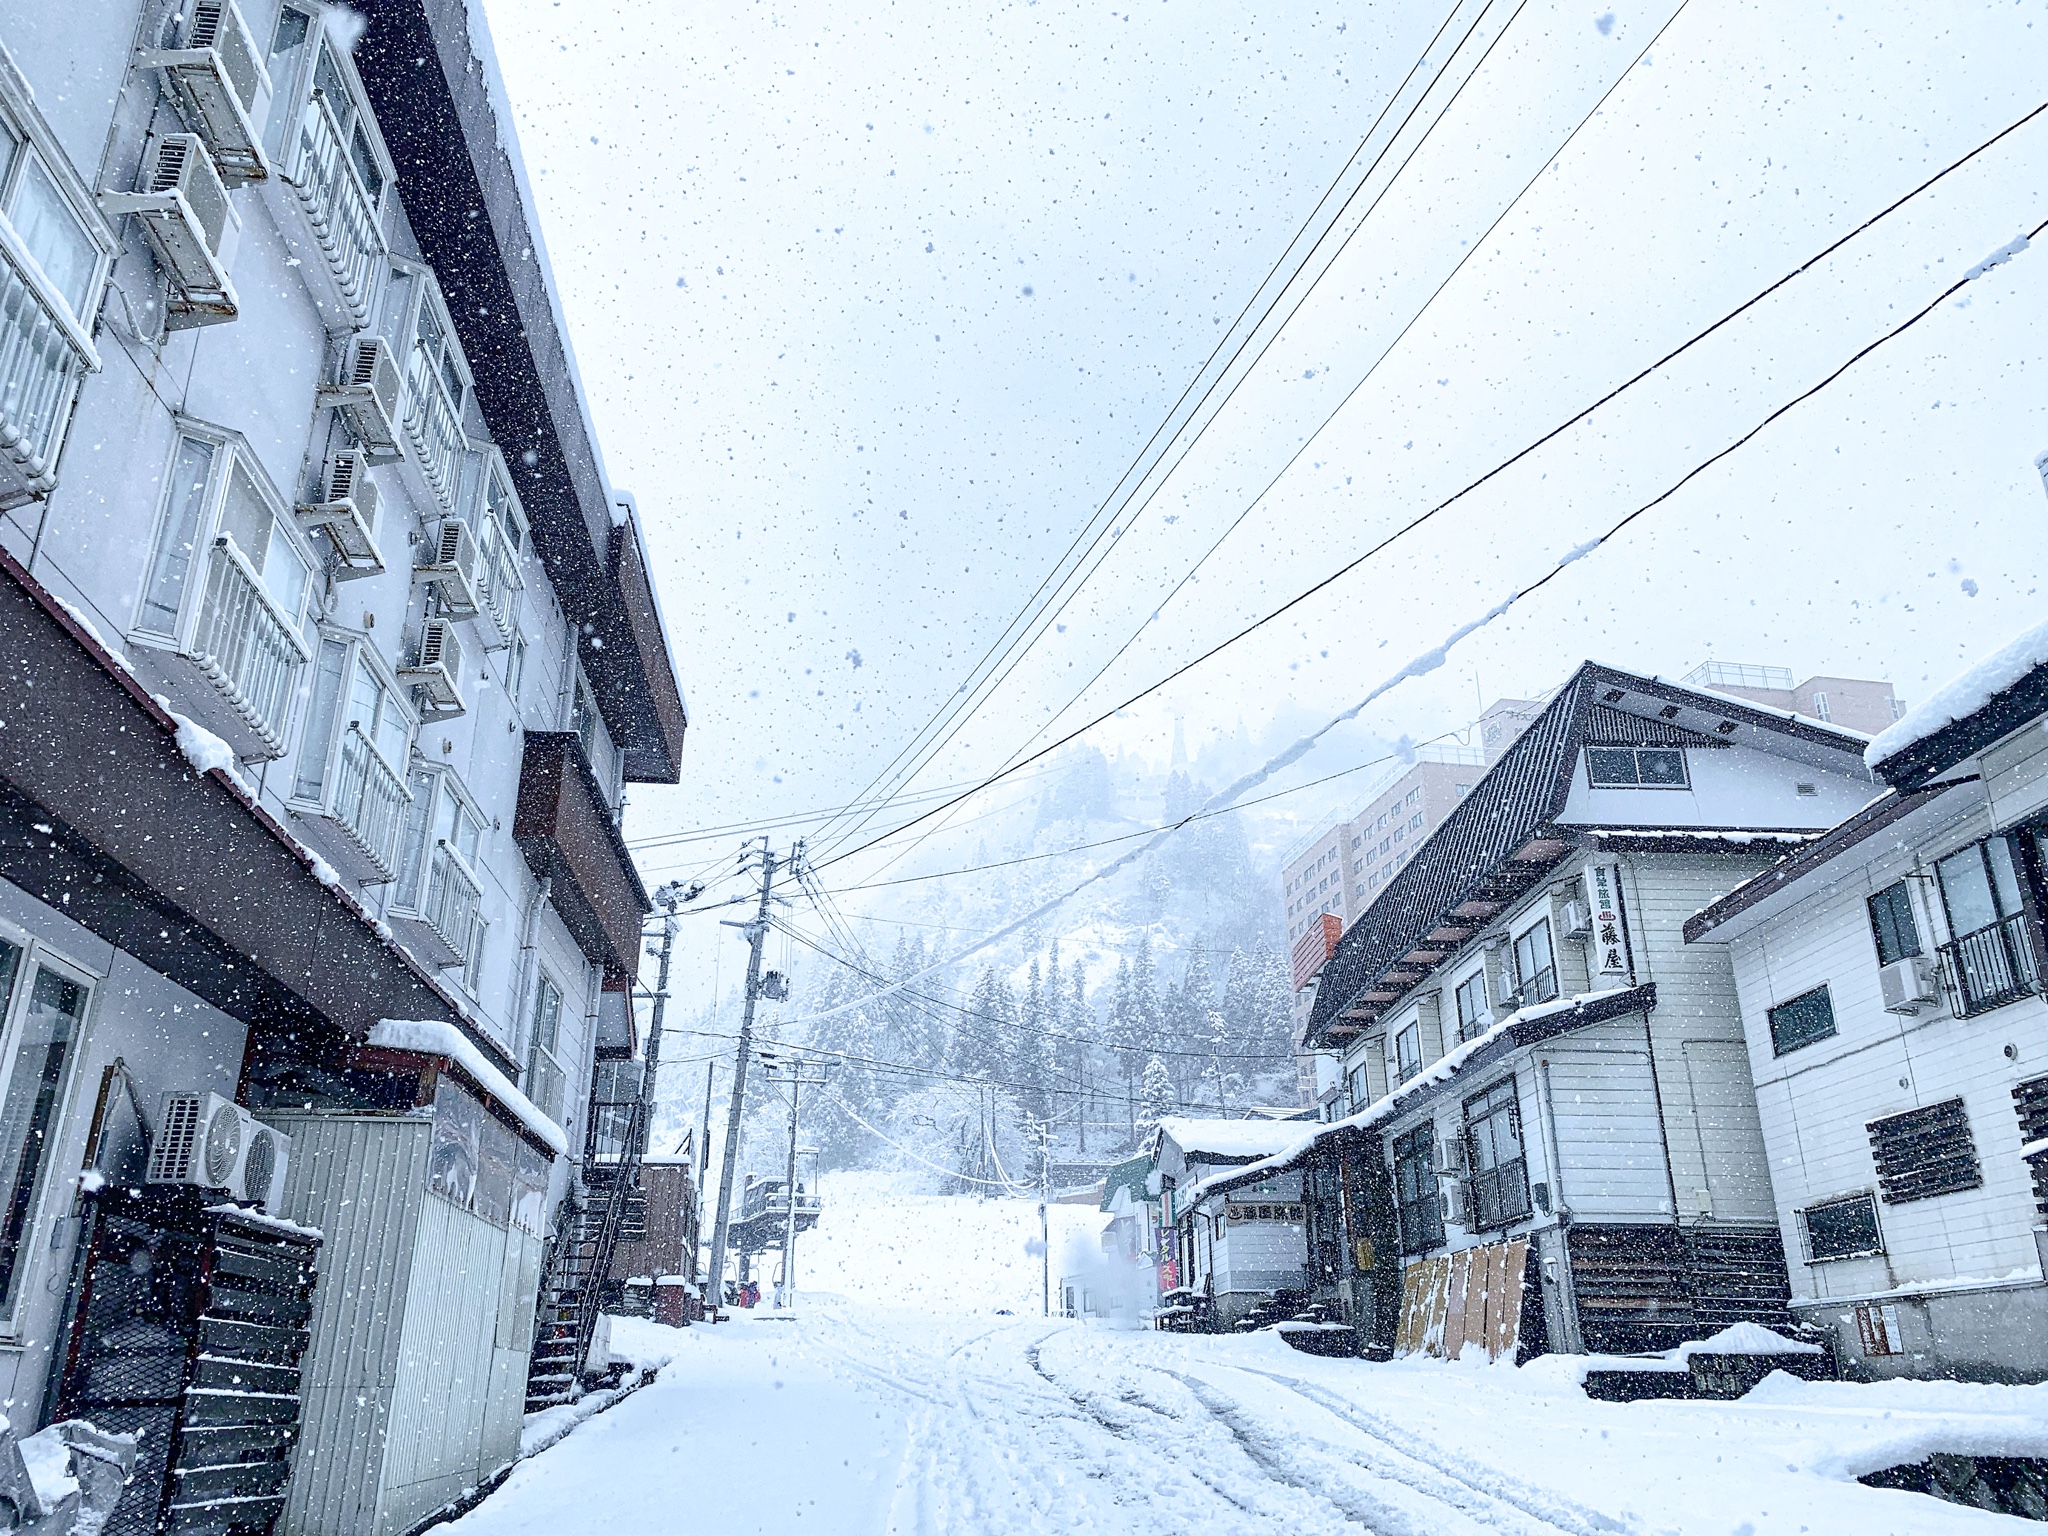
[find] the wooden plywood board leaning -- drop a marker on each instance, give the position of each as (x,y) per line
(1471,1299)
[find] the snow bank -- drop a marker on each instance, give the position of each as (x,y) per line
(1962,696)
(435,1037)
(1746,1339)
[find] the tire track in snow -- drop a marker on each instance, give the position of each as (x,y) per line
(1538,1503)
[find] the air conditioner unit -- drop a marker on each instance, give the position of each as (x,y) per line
(216,75)
(366,395)
(210,1142)
(438,671)
(1908,985)
(1575,919)
(1452,1159)
(191,226)
(1457,1204)
(448,558)
(346,512)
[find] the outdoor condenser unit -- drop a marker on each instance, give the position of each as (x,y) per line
(210,1142)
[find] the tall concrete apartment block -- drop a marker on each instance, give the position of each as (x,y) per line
(326,653)
(1858,703)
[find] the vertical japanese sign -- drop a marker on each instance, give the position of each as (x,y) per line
(1610,952)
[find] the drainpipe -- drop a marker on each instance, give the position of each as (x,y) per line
(1573,1342)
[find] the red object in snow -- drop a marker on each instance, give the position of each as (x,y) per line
(1315,947)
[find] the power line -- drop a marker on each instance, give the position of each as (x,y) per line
(1471,251)
(1431,659)
(1104,516)
(1425,516)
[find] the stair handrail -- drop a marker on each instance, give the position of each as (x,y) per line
(626,1174)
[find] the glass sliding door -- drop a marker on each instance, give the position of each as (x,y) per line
(42,1041)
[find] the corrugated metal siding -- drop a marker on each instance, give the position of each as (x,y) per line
(361,1180)
(444,1368)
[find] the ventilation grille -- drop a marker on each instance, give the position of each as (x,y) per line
(341,477)
(171,155)
(172,1155)
(362,370)
(205,30)
(1925,1152)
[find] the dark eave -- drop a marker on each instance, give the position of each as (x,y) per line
(1866,823)
(1933,755)
(462,199)
(1504,837)
(103,818)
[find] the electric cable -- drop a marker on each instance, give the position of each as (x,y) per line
(1427,515)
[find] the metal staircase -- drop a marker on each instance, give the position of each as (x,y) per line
(605,1206)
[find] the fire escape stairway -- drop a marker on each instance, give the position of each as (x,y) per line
(574,1295)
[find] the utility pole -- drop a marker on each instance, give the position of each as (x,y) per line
(668,896)
(786,1295)
(757,933)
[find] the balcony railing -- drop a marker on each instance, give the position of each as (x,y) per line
(451,901)
(40,367)
(434,431)
(245,647)
(1990,967)
(370,801)
(501,581)
(343,220)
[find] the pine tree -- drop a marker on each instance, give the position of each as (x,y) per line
(1158,1100)
(1079,1022)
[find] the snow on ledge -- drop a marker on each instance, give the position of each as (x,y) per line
(1441,1070)
(1962,696)
(1745,1339)
(435,1037)
(264,1219)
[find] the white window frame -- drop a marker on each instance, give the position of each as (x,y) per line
(39,145)
(422,844)
(357,649)
(1522,982)
(543,978)
(34,1252)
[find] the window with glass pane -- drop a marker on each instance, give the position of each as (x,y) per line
(544,1069)
(1990,952)
(1842,1229)
(1471,1000)
(1420,1216)
(37,1059)
(311,775)
(1802,1020)
(1635,768)
(1500,1176)
(1408,1052)
(170,567)
(1892,925)
(412,873)
(55,237)
(1535,970)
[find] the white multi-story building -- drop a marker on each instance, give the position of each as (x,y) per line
(1890,976)
(1548,1134)
(328,653)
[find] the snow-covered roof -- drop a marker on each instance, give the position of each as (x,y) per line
(1960,697)
(432,1037)
(1229,1138)
(1300,1143)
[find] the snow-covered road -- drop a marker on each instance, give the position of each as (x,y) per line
(856,1420)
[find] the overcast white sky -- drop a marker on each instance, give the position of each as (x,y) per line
(875,302)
